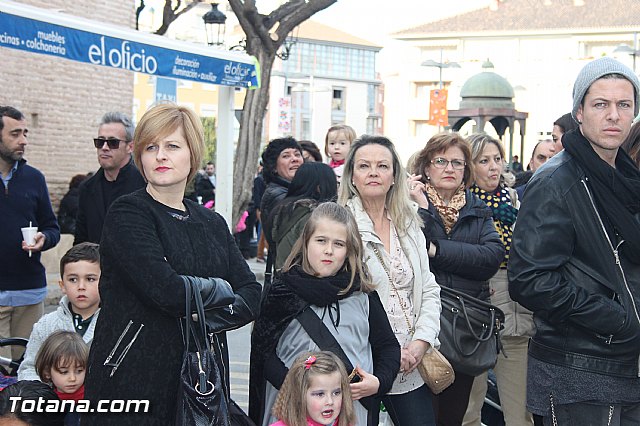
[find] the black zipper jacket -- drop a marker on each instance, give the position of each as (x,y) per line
(566,267)
(468,256)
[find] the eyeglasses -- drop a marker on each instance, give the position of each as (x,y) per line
(442,163)
(112,143)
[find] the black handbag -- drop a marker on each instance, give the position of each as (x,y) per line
(237,416)
(201,396)
(469,332)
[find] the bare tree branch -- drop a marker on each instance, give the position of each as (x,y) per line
(259,30)
(299,15)
(170,14)
(138,12)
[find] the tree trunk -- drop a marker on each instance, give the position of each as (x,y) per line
(264,38)
(250,139)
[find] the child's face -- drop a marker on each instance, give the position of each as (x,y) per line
(324,398)
(338,145)
(68,379)
(327,247)
(80,284)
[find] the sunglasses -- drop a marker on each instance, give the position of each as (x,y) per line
(112,143)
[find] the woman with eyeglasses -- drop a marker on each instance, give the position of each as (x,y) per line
(511,369)
(464,247)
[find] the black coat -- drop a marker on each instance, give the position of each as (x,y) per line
(204,188)
(144,250)
(91,207)
(471,253)
(585,296)
(68,211)
(275,192)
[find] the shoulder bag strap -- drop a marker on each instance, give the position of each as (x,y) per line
(320,334)
(185,327)
(412,329)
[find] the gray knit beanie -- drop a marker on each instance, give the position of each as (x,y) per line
(597,69)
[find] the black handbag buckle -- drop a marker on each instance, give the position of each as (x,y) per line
(201,388)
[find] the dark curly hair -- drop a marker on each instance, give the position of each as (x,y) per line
(271,154)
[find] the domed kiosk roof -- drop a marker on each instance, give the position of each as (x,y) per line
(487,89)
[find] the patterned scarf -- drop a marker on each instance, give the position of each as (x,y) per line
(449,213)
(504,214)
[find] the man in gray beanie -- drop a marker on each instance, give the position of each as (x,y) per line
(575,261)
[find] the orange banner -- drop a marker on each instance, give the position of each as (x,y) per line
(438,114)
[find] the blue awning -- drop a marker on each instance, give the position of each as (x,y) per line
(36,30)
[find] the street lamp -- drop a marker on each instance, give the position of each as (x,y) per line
(625,48)
(440,65)
(214,23)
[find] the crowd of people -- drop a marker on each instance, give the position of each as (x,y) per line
(359,248)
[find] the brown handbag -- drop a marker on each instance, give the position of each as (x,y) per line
(436,371)
(434,368)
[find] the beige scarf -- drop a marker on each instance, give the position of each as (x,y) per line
(448,212)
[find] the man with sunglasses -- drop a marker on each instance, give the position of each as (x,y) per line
(117,176)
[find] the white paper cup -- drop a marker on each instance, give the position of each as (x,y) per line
(29,234)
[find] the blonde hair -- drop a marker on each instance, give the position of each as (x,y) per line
(400,207)
(348,131)
(291,405)
(478,142)
(353,263)
(61,349)
(160,121)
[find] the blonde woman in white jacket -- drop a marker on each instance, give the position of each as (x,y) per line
(374,188)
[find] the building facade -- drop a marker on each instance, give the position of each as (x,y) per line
(539,46)
(329,78)
(64,100)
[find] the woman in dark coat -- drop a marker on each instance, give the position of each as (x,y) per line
(464,247)
(313,183)
(68,210)
(151,238)
(281,160)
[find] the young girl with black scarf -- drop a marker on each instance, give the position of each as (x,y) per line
(325,274)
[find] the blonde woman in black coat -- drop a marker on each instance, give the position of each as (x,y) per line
(151,238)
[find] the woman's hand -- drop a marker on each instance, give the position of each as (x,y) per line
(407,360)
(368,386)
(416,191)
(415,351)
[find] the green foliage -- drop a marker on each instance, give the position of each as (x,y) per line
(210,139)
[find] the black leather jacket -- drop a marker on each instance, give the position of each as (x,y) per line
(565,266)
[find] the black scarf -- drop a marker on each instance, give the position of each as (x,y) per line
(290,293)
(616,190)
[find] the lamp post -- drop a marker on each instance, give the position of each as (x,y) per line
(440,65)
(624,48)
(214,23)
